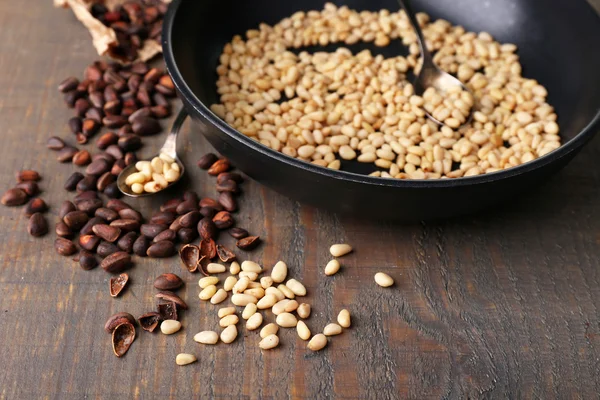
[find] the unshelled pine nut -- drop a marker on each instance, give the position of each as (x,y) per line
(339,250)
(296,287)
(251,266)
(279,272)
(207,292)
(185,359)
(343,318)
(229,334)
(240,299)
(269,329)
(170,326)
(215,268)
(206,337)
(266,282)
(234,268)
(317,342)
(249,310)
(332,267)
(228,320)
(286,320)
(267,301)
(254,322)
(383,279)
(269,342)
(303,310)
(218,297)
(303,331)
(207,281)
(332,329)
(286,291)
(279,307)
(225,311)
(229,283)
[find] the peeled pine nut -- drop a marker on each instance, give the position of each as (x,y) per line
(234,268)
(207,281)
(332,267)
(290,306)
(207,292)
(185,359)
(225,311)
(279,272)
(343,318)
(269,329)
(286,291)
(251,266)
(338,250)
(303,331)
(269,342)
(279,307)
(275,292)
(332,329)
(170,326)
(254,322)
(218,297)
(266,282)
(228,320)
(317,342)
(229,334)
(206,337)
(257,292)
(241,285)
(383,279)
(296,287)
(249,310)
(229,283)
(286,320)
(253,285)
(303,310)
(215,268)
(240,299)
(267,301)
(250,275)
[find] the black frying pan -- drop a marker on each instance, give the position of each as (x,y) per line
(559,44)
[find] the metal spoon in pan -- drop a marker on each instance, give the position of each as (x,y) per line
(431,75)
(169,149)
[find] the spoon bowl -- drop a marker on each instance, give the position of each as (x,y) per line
(169,149)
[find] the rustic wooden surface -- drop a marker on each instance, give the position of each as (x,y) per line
(502,305)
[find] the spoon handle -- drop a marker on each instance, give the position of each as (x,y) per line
(170,146)
(412,17)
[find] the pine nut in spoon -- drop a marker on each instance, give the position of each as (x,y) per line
(131,178)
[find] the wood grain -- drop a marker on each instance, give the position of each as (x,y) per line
(500,305)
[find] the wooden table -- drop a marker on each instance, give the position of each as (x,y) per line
(500,305)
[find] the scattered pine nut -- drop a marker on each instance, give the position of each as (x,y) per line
(266,282)
(275,292)
(279,307)
(279,272)
(339,250)
(249,310)
(225,311)
(206,337)
(240,299)
(241,285)
(296,287)
(286,320)
(303,310)
(286,291)
(215,268)
(207,292)
(344,318)
(251,266)
(257,292)
(218,297)
(185,359)
(229,334)
(254,322)
(303,331)
(269,342)
(291,306)
(207,281)
(332,267)
(229,283)
(250,275)
(269,329)
(267,301)
(383,279)
(228,320)
(170,326)
(317,342)
(234,268)
(332,329)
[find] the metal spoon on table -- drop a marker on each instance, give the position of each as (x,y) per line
(431,75)
(169,148)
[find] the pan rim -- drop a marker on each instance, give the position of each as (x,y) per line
(190,97)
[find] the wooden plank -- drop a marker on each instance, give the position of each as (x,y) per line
(500,305)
